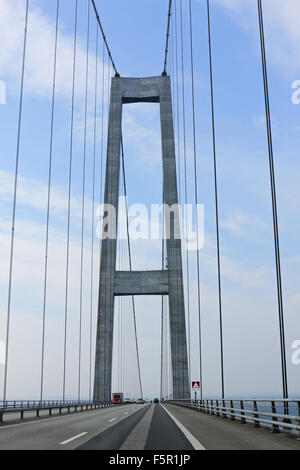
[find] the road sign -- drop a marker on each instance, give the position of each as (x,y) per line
(196,385)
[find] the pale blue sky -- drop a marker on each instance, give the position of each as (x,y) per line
(136,33)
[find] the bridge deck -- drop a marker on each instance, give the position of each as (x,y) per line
(140,427)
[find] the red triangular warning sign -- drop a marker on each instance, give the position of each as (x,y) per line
(196,385)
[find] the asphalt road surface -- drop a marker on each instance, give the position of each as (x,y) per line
(140,427)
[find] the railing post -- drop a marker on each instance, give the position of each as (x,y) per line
(274,418)
(232,416)
(243,420)
(224,411)
(217,408)
(256,423)
(286,412)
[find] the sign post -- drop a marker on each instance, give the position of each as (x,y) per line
(196,387)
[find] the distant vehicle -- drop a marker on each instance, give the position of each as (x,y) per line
(156,400)
(140,401)
(127,400)
(118,398)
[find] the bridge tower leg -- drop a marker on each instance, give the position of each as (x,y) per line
(167,282)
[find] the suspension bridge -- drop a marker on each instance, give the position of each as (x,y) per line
(80,272)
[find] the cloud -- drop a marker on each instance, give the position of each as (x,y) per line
(32,194)
(142,137)
(281,20)
(40,52)
(243,224)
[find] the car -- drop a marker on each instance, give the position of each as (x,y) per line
(156,400)
(127,400)
(140,401)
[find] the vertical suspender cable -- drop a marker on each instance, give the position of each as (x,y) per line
(69,202)
(83,200)
(119,328)
(15,204)
(177,107)
(93,210)
(172,64)
(102,140)
(161,347)
(162,303)
(216,197)
(122,265)
(185,189)
(196,196)
(48,203)
(102,145)
(102,125)
(274,202)
(130,267)
(105,318)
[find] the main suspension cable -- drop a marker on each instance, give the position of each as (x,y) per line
(167,37)
(274,201)
(216,197)
(104,37)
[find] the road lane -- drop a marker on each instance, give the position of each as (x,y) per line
(141,427)
(164,434)
(137,438)
(192,440)
(114,437)
(216,433)
(48,433)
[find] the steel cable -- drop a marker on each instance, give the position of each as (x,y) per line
(196,194)
(130,268)
(83,202)
(274,201)
(15,203)
(216,199)
(48,200)
(69,201)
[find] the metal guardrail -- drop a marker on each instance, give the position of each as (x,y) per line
(26,406)
(275,413)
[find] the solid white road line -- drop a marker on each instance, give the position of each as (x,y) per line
(111,420)
(73,438)
(193,441)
